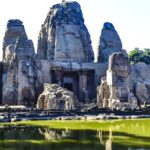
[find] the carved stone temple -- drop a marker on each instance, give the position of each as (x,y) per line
(64,56)
(63,64)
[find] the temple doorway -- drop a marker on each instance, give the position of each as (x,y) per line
(70,81)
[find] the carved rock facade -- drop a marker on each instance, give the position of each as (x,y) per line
(18,66)
(55,97)
(64,57)
(64,36)
(65,60)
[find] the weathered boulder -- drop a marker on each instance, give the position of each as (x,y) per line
(64,36)
(139,82)
(140,72)
(55,97)
(109,43)
(103,93)
(142,92)
(122,106)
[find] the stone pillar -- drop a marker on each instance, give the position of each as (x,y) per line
(117,76)
(83,86)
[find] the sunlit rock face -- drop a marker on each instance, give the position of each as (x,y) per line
(55,97)
(109,43)
(64,36)
(118,81)
(117,76)
(18,65)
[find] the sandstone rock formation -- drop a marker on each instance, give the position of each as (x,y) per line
(103,93)
(109,43)
(65,61)
(118,81)
(15,29)
(140,82)
(55,97)
(117,76)
(142,92)
(64,36)
(65,55)
(18,65)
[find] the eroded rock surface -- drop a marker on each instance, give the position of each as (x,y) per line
(103,93)
(117,76)
(142,92)
(18,66)
(140,82)
(15,29)
(109,43)
(121,97)
(54,97)
(64,36)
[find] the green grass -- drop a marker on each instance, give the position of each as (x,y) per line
(139,127)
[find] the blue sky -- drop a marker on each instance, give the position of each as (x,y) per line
(131,18)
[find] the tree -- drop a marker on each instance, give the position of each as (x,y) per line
(146,56)
(138,55)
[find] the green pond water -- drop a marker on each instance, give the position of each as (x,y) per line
(76,135)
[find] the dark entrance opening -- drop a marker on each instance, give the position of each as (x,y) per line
(91,85)
(62,105)
(68,86)
(70,81)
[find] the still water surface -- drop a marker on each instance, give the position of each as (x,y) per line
(45,138)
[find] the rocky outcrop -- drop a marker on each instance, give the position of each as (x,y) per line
(140,82)
(142,92)
(139,72)
(117,76)
(109,43)
(15,29)
(64,36)
(55,97)
(118,81)
(19,67)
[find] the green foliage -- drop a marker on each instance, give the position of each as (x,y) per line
(138,55)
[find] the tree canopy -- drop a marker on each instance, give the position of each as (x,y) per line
(138,55)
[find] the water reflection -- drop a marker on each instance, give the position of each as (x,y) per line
(37,138)
(105,138)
